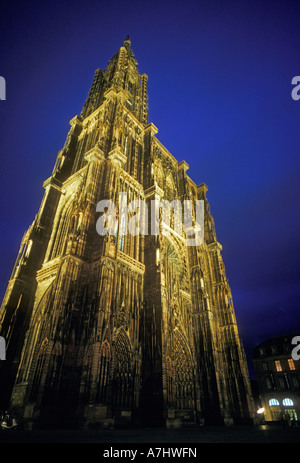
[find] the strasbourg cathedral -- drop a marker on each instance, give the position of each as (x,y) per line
(119,330)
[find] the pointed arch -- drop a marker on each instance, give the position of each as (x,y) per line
(37,333)
(104,371)
(170,378)
(175,263)
(37,379)
(122,370)
(159,173)
(183,372)
(67,221)
(170,188)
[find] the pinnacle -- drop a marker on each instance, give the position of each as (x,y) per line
(127,41)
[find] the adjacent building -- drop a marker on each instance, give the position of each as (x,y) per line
(278,375)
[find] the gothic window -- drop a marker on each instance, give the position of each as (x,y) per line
(170,376)
(39,370)
(128,145)
(170,190)
(105,357)
(140,164)
(54,369)
(122,377)
(172,269)
(62,226)
(75,223)
(132,156)
(81,151)
(79,222)
(184,382)
(72,225)
(159,175)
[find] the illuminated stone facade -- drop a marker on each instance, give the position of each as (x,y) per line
(112,330)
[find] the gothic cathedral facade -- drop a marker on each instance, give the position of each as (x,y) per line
(118,329)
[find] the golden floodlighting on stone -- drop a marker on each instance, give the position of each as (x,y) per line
(120,329)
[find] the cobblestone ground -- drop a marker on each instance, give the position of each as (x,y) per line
(236,434)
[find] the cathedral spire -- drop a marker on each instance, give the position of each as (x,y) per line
(121,73)
(141,320)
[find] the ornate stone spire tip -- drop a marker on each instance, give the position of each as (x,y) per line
(127,41)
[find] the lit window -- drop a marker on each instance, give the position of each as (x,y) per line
(278,365)
(273,402)
(291,364)
(287,402)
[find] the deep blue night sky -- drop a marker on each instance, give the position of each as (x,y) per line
(220,94)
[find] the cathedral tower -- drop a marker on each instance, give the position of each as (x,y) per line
(120,328)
